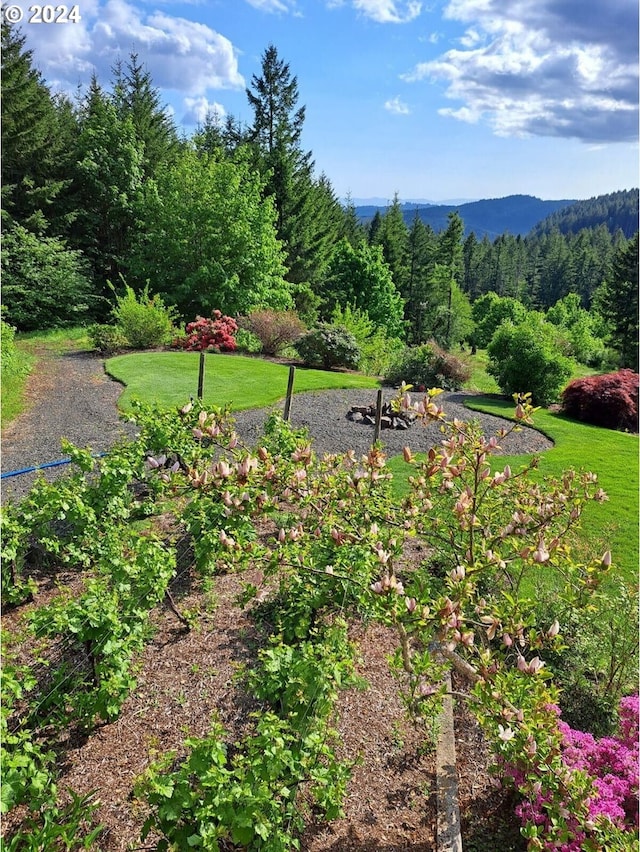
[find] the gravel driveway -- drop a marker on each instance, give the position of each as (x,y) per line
(70,396)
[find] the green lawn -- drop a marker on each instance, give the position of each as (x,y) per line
(612,455)
(170,378)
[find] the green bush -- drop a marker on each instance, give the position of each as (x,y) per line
(429,366)
(246,341)
(144,320)
(489,311)
(10,363)
(329,346)
(107,339)
(584,331)
(44,284)
(377,350)
(525,358)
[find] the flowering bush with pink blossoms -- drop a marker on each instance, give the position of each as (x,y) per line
(215,334)
(609,766)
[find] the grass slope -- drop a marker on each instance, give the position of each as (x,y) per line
(170,378)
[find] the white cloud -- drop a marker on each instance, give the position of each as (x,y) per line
(197,110)
(273,5)
(389,11)
(180,54)
(397,107)
(554,68)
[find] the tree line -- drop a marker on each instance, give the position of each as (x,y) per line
(104,189)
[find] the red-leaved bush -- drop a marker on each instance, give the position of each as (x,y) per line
(216,334)
(274,329)
(610,400)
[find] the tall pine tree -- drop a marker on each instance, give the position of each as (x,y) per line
(618,303)
(31,142)
(137,99)
(107,186)
(308,215)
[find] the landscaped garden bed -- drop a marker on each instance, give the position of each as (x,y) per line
(173,541)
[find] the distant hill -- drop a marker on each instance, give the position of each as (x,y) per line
(410,202)
(517,214)
(617,210)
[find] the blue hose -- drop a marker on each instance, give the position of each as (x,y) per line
(10,473)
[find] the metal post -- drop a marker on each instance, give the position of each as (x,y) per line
(287,403)
(201,376)
(376,434)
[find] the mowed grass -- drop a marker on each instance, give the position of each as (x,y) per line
(612,455)
(170,378)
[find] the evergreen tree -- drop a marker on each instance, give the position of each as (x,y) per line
(306,210)
(449,255)
(555,276)
(449,252)
(392,236)
(107,185)
(137,99)
(31,142)
(217,134)
(374,227)
(445,313)
(351,228)
(618,303)
(421,247)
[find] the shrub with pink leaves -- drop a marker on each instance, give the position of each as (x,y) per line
(612,765)
(215,334)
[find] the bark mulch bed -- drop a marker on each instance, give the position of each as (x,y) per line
(186,677)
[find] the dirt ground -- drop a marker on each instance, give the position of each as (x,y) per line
(185,677)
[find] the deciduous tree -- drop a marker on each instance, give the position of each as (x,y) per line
(209,239)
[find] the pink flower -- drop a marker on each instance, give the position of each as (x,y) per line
(505,734)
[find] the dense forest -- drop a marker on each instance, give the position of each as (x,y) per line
(617,210)
(103,191)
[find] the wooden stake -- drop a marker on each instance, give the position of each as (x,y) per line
(287,403)
(376,434)
(201,376)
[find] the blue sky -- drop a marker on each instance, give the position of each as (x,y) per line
(432,99)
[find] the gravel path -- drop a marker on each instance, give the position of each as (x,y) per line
(70,396)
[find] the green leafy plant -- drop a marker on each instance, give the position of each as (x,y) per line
(428,366)
(143,319)
(107,339)
(526,357)
(378,350)
(329,346)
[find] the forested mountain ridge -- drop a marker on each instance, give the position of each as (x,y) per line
(617,210)
(513,214)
